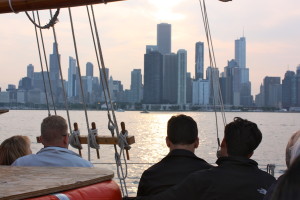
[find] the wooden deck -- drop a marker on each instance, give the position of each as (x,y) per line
(26,182)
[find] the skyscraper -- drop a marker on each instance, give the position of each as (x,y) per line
(289,90)
(72,77)
(182,70)
(102,82)
(199,60)
(136,86)
(240,52)
(153,70)
(30,71)
(170,78)
(89,69)
(164,38)
(272,91)
(54,65)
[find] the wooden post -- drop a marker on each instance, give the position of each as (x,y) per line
(123,132)
(97,150)
(25,5)
(76,129)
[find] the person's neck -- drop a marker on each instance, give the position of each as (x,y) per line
(184,147)
(45,146)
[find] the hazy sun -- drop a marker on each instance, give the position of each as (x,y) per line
(164,9)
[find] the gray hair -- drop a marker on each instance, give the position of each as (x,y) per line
(53,128)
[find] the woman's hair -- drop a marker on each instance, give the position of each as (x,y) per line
(13,148)
(288,186)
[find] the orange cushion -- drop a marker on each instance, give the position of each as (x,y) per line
(107,190)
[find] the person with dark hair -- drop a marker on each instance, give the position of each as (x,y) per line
(13,148)
(288,186)
(236,176)
(55,138)
(182,140)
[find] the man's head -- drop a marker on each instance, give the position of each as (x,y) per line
(292,148)
(54,132)
(182,133)
(241,138)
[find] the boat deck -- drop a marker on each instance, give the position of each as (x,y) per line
(27,182)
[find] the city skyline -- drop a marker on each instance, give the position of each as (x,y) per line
(272,36)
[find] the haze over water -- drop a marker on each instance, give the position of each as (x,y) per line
(150,132)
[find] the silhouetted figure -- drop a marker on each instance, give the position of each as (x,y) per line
(182,140)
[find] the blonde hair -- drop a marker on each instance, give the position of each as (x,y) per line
(13,148)
(292,148)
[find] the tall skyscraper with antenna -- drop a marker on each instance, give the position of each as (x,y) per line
(240,52)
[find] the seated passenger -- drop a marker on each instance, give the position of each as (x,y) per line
(288,186)
(13,148)
(182,140)
(55,138)
(291,152)
(237,177)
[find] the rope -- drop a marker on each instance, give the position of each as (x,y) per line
(112,124)
(41,63)
(123,144)
(92,138)
(11,7)
(61,76)
(74,139)
(51,23)
(213,65)
(80,80)
(46,63)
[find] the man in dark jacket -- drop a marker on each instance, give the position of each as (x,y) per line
(182,140)
(237,177)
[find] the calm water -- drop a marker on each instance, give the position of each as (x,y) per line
(150,132)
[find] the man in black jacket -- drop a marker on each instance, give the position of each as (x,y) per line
(182,140)
(237,177)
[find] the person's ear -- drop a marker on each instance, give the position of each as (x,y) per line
(223,143)
(66,140)
(223,151)
(168,142)
(196,144)
(250,154)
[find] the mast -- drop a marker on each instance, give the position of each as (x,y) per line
(9,6)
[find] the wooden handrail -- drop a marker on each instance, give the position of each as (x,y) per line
(101,139)
(29,5)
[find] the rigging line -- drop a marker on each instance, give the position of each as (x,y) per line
(213,54)
(42,68)
(61,76)
(46,63)
(104,80)
(80,80)
(97,57)
(207,32)
(214,59)
(205,21)
(104,72)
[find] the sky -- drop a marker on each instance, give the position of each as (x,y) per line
(271,28)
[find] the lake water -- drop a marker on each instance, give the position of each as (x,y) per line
(149,130)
